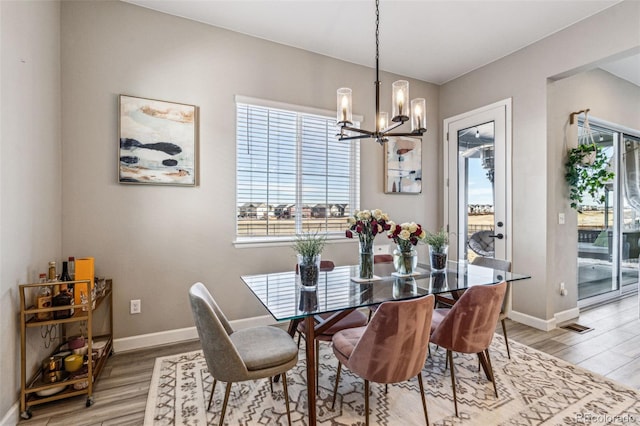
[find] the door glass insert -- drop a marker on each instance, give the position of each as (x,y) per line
(476,191)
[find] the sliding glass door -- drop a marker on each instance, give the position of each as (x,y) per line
(609,233)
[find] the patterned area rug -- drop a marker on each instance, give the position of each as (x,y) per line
(534,389)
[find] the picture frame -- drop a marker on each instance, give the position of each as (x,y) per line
(403,165)
(158,142)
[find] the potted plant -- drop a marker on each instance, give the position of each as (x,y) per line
(308,248)
(438,246)
(587,173)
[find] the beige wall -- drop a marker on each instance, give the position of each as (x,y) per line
(30,209)
(609,98)
(156,241)
(523,77)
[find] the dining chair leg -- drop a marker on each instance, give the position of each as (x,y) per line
(335,387)
(506,340)
(213,389)
(224,404)
(424,401)
(271,384)
(453,381)
(286,396)
(366,403)
(493,376)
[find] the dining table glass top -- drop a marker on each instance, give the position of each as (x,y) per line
(284,297)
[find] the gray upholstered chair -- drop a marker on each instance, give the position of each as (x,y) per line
(392,348)
(235,356)
(468,327)
(502,265)
(481,243)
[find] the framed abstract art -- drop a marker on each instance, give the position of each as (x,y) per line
(403,166)
(158,142)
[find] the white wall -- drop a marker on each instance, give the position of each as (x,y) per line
(156,241)
(30,185)
(523,76)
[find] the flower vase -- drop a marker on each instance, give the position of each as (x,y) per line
(309,271)
(438,258)
(366,260)
(405,261)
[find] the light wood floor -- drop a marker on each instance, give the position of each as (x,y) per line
(612,349)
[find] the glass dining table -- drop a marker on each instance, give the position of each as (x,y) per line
(339,292)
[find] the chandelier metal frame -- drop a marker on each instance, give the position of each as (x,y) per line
(381,135)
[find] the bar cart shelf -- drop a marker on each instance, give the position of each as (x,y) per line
(34,391)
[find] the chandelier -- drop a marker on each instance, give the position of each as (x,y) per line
(399,98)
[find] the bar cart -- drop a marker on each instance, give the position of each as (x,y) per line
(36,391)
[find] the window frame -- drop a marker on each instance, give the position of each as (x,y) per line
(299,111)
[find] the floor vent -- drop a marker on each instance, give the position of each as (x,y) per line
(577,328)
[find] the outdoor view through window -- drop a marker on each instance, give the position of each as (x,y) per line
(293,175)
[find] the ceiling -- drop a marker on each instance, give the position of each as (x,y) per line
(430,40)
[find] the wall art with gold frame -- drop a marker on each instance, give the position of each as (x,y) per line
(158,142)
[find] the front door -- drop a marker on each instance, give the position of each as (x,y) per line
(477,182)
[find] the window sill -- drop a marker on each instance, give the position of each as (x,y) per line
(257,242)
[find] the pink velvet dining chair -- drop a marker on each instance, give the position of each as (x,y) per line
(353,319)
(489,262)
(468,327)
(392,348)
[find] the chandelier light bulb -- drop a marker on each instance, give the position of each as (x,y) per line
(383,120)
(400,97)
(418,115)
(344,106)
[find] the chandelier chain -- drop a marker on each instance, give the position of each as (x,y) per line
(377,30)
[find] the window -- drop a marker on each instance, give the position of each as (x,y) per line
(292,174)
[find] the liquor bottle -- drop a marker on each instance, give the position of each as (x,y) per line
(52,271)
(67,288)
(43,300)
(64,276)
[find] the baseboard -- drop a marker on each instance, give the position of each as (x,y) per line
(567,315)
(535,322)
(11,417)
(545,325)
(143,341)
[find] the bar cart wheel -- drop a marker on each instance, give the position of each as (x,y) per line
(26,414)
(89,401)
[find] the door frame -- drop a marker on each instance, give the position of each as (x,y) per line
(505,105)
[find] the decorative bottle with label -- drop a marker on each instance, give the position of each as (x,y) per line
(66,294)
(43,300)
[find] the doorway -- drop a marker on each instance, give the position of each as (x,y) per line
(477,174)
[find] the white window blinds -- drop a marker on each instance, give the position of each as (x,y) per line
(293,175)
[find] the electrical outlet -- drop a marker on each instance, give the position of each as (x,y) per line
(563,290)
(560,218)
(135,306)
